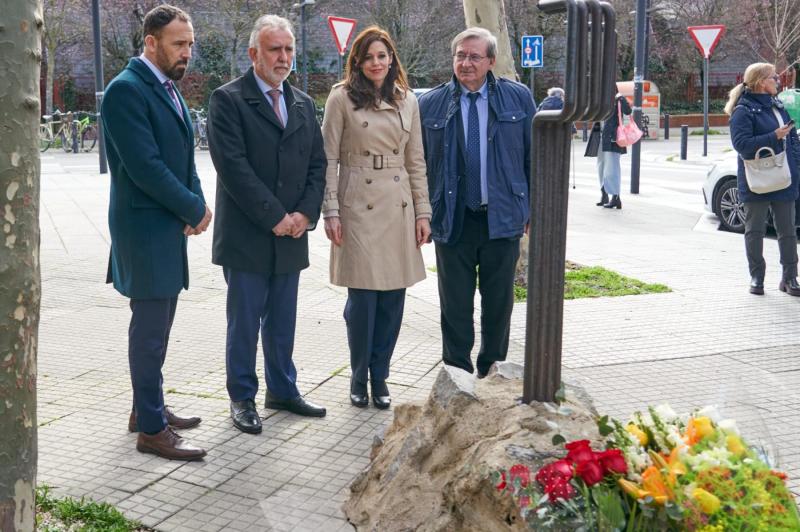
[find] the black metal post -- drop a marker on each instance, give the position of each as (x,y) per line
(589,90)
(99,84)
(638,80)
(585,131)
(666,126)
(305,49)
(705,106)
(339,64)
(684,141)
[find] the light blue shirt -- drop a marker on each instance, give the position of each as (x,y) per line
(483,123)
(162,78)
(265,88)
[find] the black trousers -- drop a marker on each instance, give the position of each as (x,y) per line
(474,257)
(148,337)
(373,320)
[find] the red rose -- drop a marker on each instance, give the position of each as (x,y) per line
(591,472)
(520,472)
(559,489)
(560,470)
(579,452)
(612,461)
(502,484)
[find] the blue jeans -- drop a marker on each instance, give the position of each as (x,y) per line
(609,171)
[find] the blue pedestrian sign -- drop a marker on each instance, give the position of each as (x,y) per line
(532,53)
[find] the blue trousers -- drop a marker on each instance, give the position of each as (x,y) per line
(267,303)
(148,336)
(373,320)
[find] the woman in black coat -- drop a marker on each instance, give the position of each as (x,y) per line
(608,166)
(759,121)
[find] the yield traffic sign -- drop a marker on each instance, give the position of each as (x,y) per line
(342,30)
(706,37)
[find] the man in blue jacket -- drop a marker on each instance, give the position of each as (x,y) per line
(477,139)
(156,202)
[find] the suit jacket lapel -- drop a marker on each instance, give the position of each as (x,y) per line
(294,110)
(252,94)
(147,76)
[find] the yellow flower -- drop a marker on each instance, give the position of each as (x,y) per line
(708,502)
(675,466)
(697,429)
(653,482)
(632,489)
(735,445)
(638,433)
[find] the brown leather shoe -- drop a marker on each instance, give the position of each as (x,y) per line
(172,420)
(167,444)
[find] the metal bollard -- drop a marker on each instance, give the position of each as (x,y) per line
(585,131)
(684,141)
(75,148)
(666,126)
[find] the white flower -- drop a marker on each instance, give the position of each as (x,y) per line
(729,426)
(716,457)
(710,412)
(666,413)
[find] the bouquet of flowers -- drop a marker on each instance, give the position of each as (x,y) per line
(658,471)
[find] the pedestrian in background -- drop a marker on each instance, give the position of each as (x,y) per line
(156,202)
(758,121)
(376,209)
(266,146)
(609,171)
(477,138)
(554,101)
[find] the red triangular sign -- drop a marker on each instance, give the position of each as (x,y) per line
(706,37)
(342,30)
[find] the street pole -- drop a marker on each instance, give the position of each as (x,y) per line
(705,106)
(339,64)
(638,78)
(98,84)
(305,50)
(533,85)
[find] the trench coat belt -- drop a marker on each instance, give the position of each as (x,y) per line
(375,161)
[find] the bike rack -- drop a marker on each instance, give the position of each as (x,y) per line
(589,92)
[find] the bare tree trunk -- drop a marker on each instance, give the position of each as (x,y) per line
(20,35)
(491,14)
(51,80)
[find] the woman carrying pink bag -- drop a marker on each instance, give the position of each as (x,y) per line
(608,163)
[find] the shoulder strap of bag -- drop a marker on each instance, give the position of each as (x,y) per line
(780,123)
(619,114)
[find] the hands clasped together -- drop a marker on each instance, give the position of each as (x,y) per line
(294,224)
(201,227)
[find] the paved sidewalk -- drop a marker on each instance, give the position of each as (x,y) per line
(708,341)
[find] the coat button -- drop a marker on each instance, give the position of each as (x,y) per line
(366,152)
(395,151)
(397,178)
(364,124)
(369,181)
(369,206)
(405,204)
(266,205)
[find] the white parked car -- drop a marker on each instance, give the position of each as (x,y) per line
(721,195)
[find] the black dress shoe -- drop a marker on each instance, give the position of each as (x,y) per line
(298,406)
(380,395)
(603,197)
(615,203)
(790,286)
(245,416)
(757,286)
(361,400)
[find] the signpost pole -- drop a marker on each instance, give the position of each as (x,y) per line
(339,62)
(705,106)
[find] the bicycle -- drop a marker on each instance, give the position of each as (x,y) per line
(199,123)
(66,127)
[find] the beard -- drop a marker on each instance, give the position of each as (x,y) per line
(174,71)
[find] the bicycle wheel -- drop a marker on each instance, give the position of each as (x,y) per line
(89,138)
(45,137)
(66,140)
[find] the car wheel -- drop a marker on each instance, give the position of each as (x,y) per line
(728,206)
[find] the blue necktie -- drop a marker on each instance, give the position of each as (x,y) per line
(473,154)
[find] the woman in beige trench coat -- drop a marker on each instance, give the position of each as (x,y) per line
(376,208)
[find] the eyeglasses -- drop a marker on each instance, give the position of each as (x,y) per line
(473,58)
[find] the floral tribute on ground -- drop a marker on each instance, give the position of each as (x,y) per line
(658,471)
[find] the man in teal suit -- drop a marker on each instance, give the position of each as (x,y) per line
(156,202)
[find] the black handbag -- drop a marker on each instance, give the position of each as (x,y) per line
(593,145)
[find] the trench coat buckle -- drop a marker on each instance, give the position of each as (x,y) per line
(376,159)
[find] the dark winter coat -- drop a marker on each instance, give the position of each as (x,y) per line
(610,127)
(155,191)
(264,171)
(753,125)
